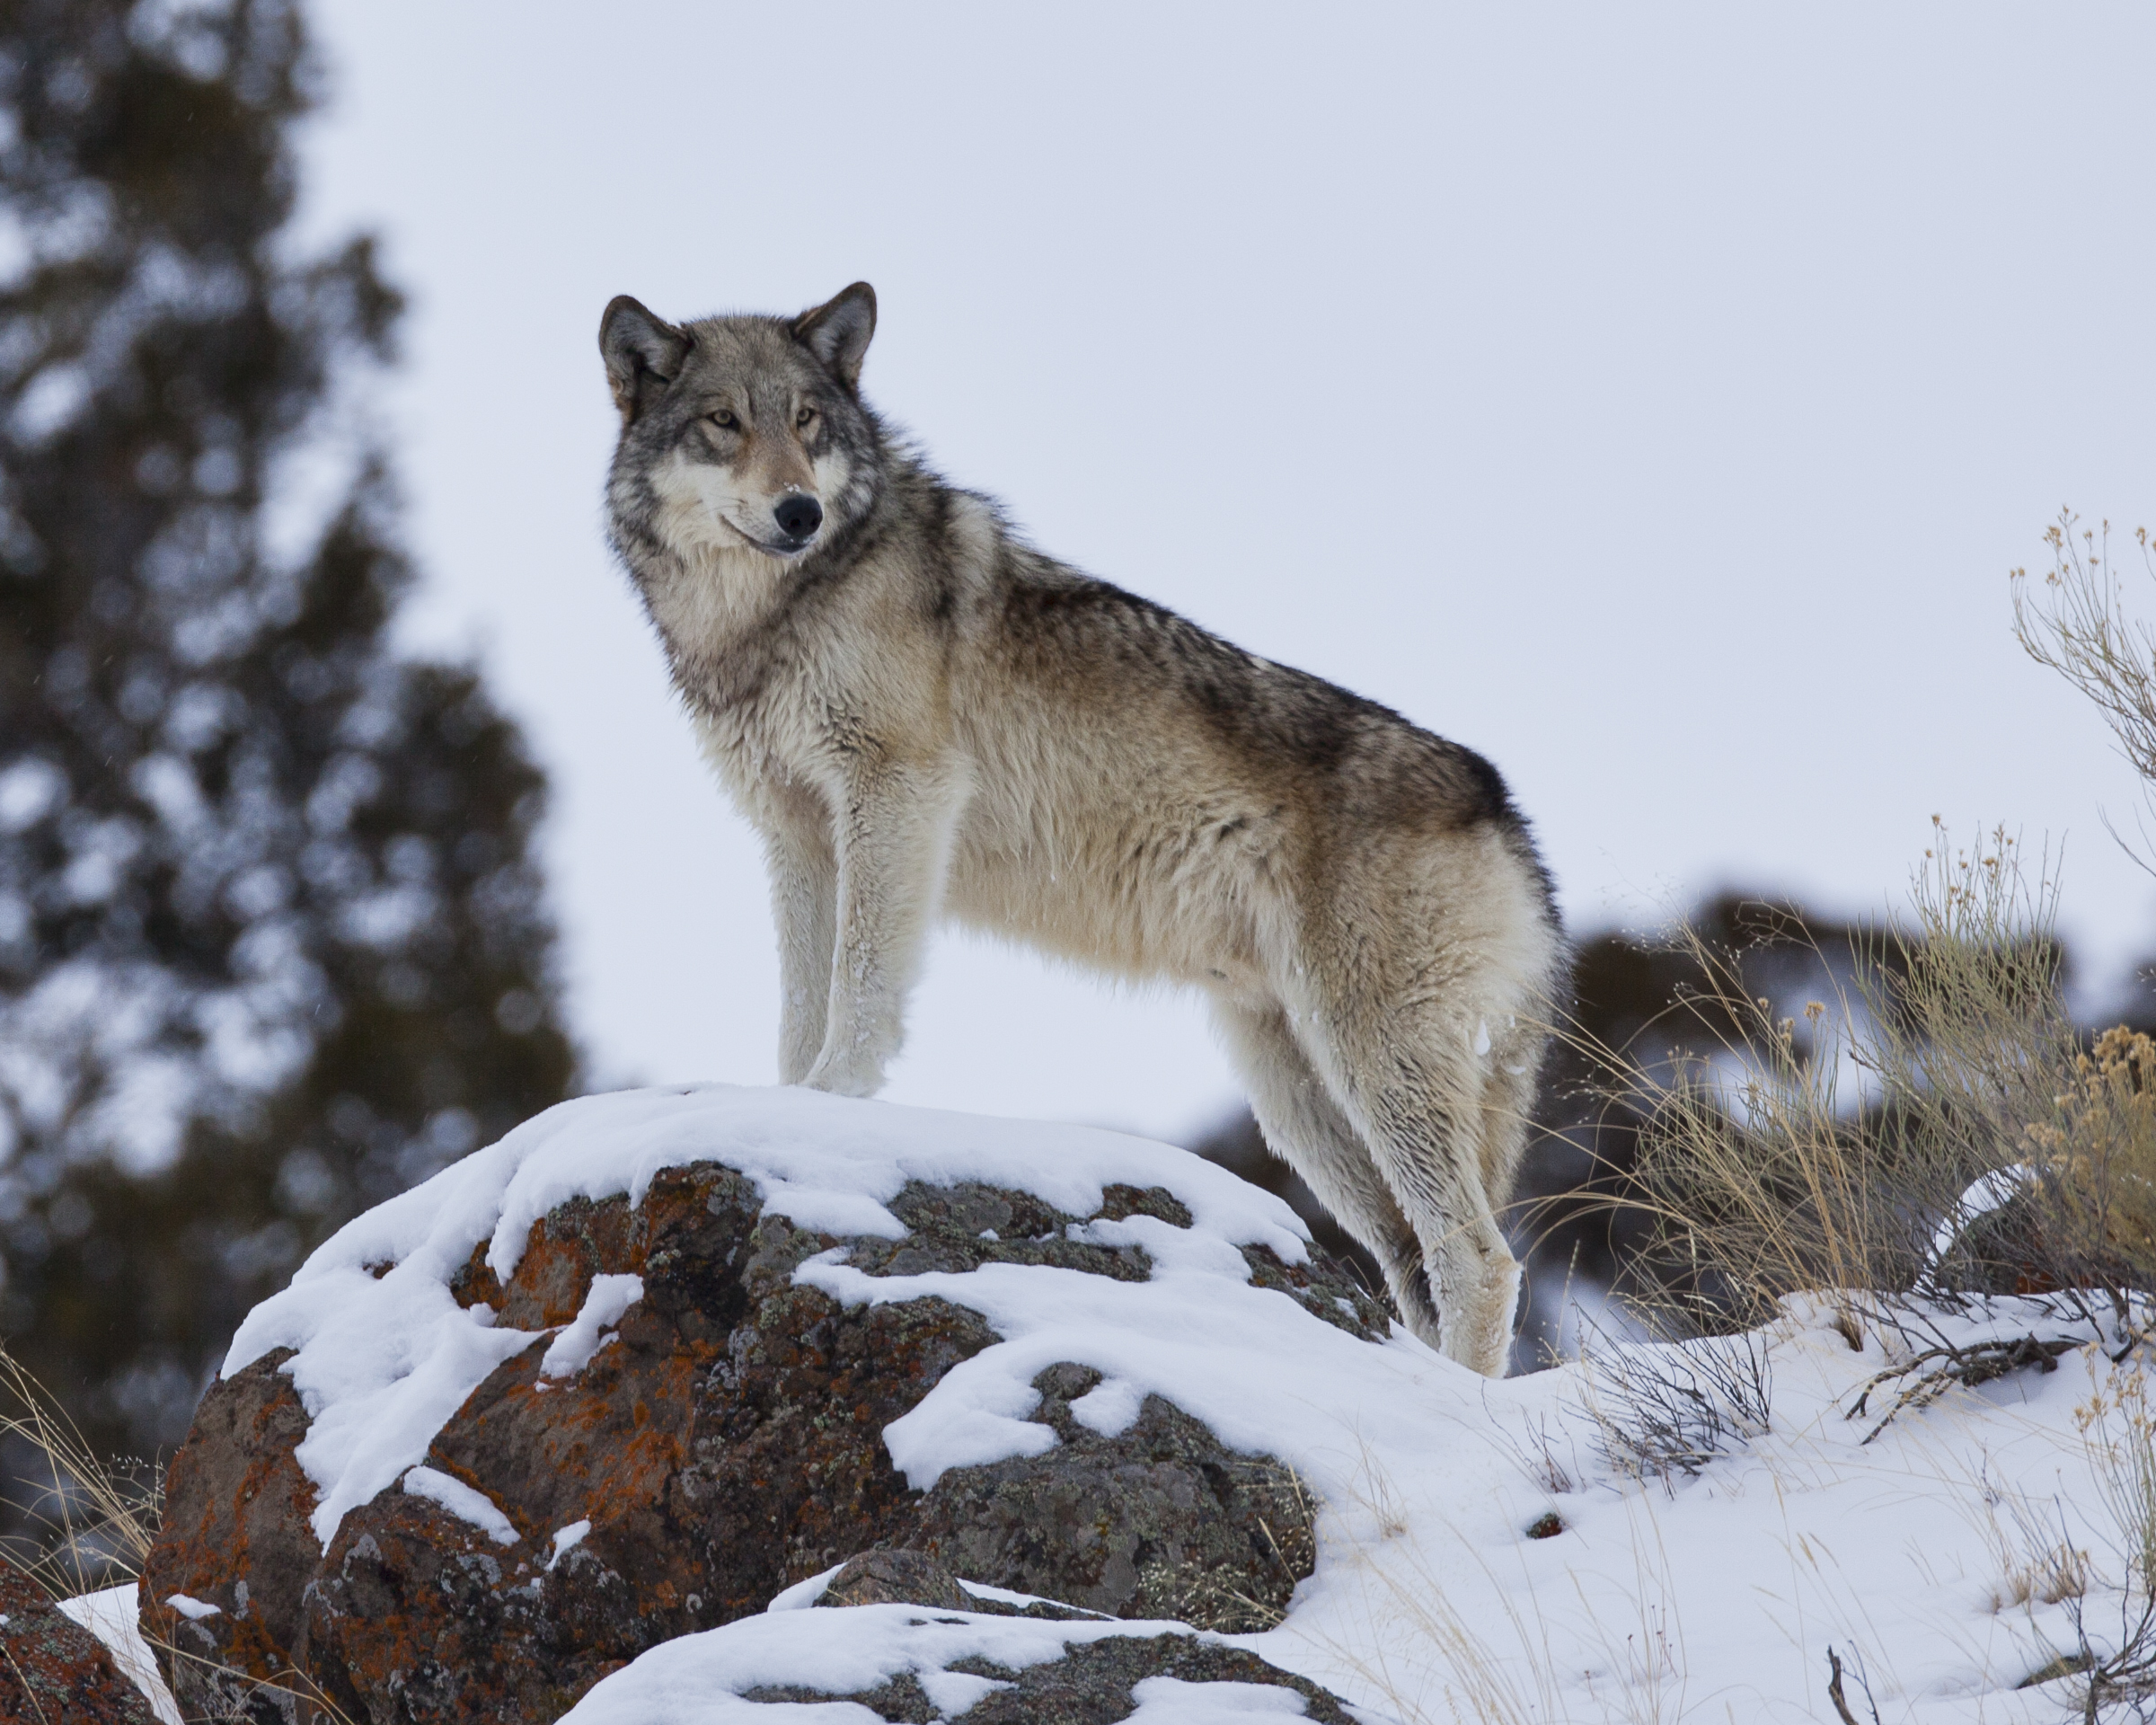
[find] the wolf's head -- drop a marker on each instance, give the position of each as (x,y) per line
(741,432)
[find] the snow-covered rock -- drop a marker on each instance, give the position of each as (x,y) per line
(897,1662)
(633,1371)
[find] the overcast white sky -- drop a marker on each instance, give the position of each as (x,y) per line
(1651,397)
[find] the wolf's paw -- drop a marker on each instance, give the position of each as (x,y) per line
(841,1078)
(1477,1306)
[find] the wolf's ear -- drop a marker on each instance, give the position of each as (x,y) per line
(636,345)
(837,331)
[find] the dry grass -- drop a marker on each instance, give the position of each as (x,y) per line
(2043,1575)
(1417,1652)
(1424,1648)
(2039,1564)
(1534,1449)
(96,1518)
(1431,1667)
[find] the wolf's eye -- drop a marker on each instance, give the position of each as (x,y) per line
(724,420)
(805,418)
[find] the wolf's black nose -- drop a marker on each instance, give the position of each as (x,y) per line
(798,517)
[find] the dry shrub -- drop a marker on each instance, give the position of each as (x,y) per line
(1837,1147)
(1661,1413)
(1934,1126)
(2097,1157)
(2076,625)
(2098,1151)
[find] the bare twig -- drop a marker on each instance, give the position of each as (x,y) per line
(1978,1363)
(1841,1700)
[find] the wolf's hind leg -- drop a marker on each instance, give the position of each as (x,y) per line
(1412,1084)
(1306,1129)
(1511,1072)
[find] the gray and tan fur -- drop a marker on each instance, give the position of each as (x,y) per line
(925,718)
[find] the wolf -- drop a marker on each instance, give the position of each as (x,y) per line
(925,718)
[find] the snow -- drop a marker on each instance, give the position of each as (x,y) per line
(1001,1596)
(1711,1598)
(609,1298)
(566,1540)
(113,1616)
(1197,1332)
(462,1501)
(1170,1701)
(1985,1194)
(1720,1596)
(193,1610)
(801,1594)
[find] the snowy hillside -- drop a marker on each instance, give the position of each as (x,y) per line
(1920,1558)
(1656,1533)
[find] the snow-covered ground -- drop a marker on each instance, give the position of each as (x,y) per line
(1711,1598)
(1715,1598)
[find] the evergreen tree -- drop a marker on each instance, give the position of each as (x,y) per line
(271,938)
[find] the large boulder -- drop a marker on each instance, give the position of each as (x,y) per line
(657,1358)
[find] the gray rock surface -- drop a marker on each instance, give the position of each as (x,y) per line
(1090,1685)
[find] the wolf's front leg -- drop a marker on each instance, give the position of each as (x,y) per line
(804,903)
(894,845)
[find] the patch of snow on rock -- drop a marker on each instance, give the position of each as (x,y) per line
(604,1305)
(802,1595)
(1170,1701)
(193,1610)
(462,1500)
(567,1539)
(1264,1374)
